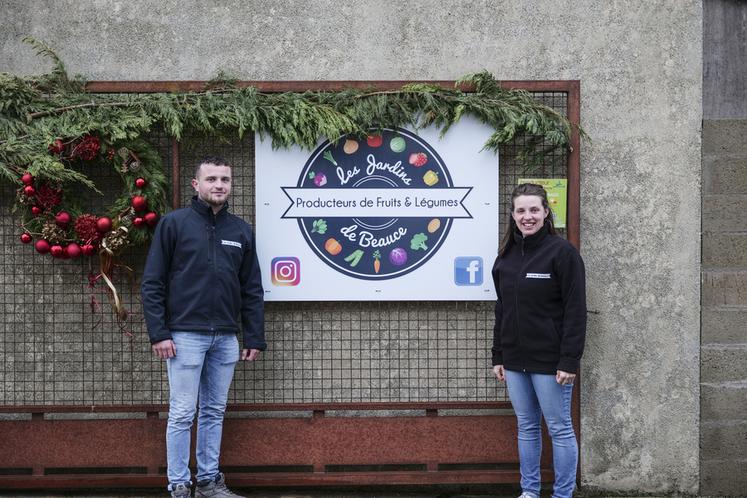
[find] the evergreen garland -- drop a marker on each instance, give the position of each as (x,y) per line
(35,111)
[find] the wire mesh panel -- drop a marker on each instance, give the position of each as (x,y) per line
(60,344)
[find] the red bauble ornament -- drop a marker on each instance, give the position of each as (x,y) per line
(42,246)
(57,147)
(88,249)
(139,203)
(151,219)
(138,221)
(140,183)
(29,190)
(56,251)
(63,219)
(27,179)
(73,250)
(103,224)
(36,210)
(26,237)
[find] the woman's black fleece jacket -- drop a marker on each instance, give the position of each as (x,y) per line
(540,314)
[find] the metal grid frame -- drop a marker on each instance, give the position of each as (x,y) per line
(56,352)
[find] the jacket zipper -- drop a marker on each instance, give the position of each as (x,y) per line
(211,256)
(518,315)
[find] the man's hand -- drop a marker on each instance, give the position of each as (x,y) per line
(249,354)
(164,349)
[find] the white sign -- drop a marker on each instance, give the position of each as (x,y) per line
(397,216)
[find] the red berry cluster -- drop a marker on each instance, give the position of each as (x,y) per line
(87,149)
(86,227)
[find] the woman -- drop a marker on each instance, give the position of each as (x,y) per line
(540,326)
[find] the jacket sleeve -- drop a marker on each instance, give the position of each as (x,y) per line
(154,286)
(252,298)
(573,294)
(497,349)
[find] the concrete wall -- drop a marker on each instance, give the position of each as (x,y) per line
(640,67)
(724,59)
(723,441)
(724,339)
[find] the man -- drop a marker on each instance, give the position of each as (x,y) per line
(201,274)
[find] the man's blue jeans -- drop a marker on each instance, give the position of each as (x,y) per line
(202,368)
(534,396)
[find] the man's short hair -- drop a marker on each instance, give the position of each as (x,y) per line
(215,160)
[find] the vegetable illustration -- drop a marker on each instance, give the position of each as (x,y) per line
(374,140)
(418,159)
(397,144)
(430,178)
(328,157)
(319,226)
(377,263)
(350,146)
(398,256)
(418,241)
(319,178)
(332,246)
(354,257)
(434,225)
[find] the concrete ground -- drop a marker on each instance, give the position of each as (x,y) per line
(430,492)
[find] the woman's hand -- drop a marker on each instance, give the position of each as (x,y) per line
(499,373)
(564,378)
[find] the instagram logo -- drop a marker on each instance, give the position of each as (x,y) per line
(286,271)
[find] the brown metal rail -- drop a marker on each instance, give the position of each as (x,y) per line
(317,448)
(432,447)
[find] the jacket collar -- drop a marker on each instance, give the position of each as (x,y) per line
(206,211)
(531,241)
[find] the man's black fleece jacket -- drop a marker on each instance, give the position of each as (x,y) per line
(202,275)
(540,314)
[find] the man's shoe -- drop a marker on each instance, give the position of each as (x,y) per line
(215,489)
(526,494)
(181,491)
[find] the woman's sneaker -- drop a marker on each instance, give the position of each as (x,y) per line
(215,489)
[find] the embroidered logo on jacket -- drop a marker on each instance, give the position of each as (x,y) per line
(231,243)
(538,275)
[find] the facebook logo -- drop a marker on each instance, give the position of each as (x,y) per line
(468,270)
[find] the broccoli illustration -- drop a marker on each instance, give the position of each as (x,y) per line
(319,226)
(418,241)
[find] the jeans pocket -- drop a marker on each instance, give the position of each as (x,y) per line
(187,360)
(230,350)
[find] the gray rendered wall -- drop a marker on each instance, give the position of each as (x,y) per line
(724,315)
(640,68)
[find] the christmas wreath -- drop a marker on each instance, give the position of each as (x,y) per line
(54,221)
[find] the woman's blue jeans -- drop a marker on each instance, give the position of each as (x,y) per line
(202,369)
(534,396)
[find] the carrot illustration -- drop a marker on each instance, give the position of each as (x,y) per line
(377,263)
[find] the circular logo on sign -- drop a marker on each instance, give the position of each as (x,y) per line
(377,208)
